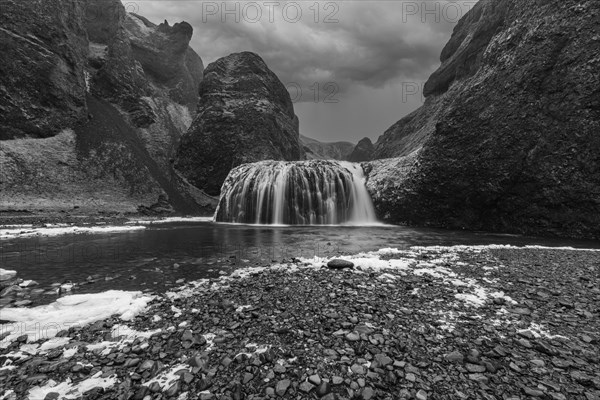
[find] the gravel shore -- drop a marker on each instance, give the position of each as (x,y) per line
(427,323)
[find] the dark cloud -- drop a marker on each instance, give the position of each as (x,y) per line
(343,48)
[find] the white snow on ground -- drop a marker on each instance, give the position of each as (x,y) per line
(210,340)
(253,349)
(68,353)
(166,379)
(168,220)
(119,331)
(125,336)
(81,309)
(6,274)
(69,390)
(65,230)
(539,331)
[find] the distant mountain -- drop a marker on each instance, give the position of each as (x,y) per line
(363,151)
(316,150)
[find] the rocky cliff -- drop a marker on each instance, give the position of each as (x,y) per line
(363,151)
(42,85)
(509,136)
(245,114)
(316,150)
(94,100)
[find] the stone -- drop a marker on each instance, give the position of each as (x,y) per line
(306,387)
(383,360)
(279,369)
(474,368)
(282,386)
(367,393)
(358,369)
(455,356)
(340,264)
(323,389)
(352,337)
(173,390)
(315,379)
(421,395)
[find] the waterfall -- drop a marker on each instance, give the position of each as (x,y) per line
(312,192)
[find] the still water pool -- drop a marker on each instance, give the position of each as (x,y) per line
(157,257)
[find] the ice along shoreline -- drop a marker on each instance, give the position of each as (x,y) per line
(425,322)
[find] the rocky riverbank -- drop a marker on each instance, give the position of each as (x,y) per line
(490,322)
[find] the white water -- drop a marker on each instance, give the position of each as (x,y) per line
(296,193)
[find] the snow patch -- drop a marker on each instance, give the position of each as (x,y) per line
(166,379)
(47,320)
(57,231)
(68,390)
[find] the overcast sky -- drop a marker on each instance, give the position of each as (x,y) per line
(353,67)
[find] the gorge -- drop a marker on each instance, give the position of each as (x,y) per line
(119,117)
(168,231)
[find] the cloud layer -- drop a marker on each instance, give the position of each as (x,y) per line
(346,59)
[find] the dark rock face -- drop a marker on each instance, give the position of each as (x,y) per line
(42,85)
(363,151)
(245,114)
(104,97)
(316,150)
(509,136)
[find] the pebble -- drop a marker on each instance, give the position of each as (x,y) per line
(306,387)
(367,393)
(352,337)
(421,395)
(455,356)
(282,386)
(358,369)
(315,379)
(474,368)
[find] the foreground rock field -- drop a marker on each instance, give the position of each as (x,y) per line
(426,323)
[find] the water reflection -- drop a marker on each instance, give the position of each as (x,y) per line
(157,257)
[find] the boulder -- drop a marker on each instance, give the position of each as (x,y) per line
(245,114)
(340,264)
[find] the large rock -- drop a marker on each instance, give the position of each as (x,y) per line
(509,136)
(363,151)
(245,114)
(42,84)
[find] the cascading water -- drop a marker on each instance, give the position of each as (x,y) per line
(296,193)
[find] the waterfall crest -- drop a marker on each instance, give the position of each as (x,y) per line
(312,192)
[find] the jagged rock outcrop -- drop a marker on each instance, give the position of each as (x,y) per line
(42,84)
(245,114)
(363,151)
(316,150)
(135,85)
(509,136)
